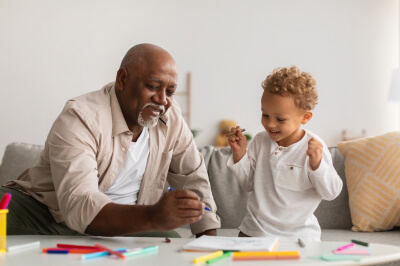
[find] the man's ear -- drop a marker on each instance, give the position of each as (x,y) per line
(122,75)
(306,117)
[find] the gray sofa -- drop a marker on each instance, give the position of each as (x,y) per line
(333,216)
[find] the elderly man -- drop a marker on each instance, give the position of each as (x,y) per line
(107,157)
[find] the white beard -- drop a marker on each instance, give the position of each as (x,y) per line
(153,119)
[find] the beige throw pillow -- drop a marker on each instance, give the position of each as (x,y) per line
(372,167)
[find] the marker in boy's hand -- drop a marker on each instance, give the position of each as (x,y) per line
(314,152)
(238,143)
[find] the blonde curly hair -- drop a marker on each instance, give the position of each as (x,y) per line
(294,83)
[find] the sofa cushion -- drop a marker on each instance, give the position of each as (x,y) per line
(372,173)
(230,198)
(18,157)
(335,214)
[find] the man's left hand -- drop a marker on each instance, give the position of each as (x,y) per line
(211,232)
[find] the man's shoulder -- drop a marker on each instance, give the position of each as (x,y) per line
(92,100)
(93,107)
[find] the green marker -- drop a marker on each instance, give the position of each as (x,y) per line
(358,242)
(225,256)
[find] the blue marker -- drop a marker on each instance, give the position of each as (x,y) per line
(207,209)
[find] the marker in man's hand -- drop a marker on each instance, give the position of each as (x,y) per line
(207,209)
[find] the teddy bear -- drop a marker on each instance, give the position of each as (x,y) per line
(224,128)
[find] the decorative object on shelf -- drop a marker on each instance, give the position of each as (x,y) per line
(224,128)
(350,135)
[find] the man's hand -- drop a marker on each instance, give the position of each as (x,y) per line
(176,208)
(315,153)
(211,232)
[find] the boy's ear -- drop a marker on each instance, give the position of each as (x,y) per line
(306,117)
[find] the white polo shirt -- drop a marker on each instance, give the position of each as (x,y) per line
(285,191)
(126,186)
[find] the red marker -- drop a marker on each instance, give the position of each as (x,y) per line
(119,254)
(5,201)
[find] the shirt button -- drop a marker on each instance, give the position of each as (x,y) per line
(291,167)
(280,149)
(123,149)
(276,152)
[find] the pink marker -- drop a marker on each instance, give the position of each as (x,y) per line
(345,247)
(5,201)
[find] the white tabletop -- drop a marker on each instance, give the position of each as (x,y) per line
(171,254)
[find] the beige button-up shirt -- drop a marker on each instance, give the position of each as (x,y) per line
(86,148)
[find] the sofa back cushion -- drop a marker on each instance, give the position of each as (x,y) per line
(17,158)
(229,196)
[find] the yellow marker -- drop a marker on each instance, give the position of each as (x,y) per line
(265,253)
(209,256)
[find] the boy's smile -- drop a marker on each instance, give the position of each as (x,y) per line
(282,119)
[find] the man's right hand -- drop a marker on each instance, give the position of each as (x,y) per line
(176,208)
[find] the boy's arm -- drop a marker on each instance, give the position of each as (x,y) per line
(243,171)
(325,179)
(244,168)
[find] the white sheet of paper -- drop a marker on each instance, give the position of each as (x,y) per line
(232,243)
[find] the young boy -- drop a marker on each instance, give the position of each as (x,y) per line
(287,169)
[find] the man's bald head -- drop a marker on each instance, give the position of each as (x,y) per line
(139,54)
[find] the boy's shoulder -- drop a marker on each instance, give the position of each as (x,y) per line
(311,135)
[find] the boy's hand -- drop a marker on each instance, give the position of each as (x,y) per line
(238,143)
(315,153)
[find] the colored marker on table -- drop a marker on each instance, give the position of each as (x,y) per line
(118,254)
(207,209)
(100,254)
(73,250)
(77,246)
(23,246)
(225,256)
(345,247)
(140,251)
(5,201)
(358,242)
(208,257)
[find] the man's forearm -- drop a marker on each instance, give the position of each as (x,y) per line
(117,220)
(174,209)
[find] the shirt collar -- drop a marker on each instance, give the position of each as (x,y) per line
(119,124)
(275,145)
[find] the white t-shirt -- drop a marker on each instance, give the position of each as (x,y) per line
(126,186)
(285,191)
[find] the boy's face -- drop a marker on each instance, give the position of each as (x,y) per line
(282,119)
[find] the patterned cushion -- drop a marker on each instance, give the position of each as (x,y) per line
(372,169)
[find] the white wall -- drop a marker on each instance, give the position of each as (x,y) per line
(51,51)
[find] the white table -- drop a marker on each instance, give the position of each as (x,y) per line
(171,254)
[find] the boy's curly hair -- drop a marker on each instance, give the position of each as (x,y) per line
(294,83)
